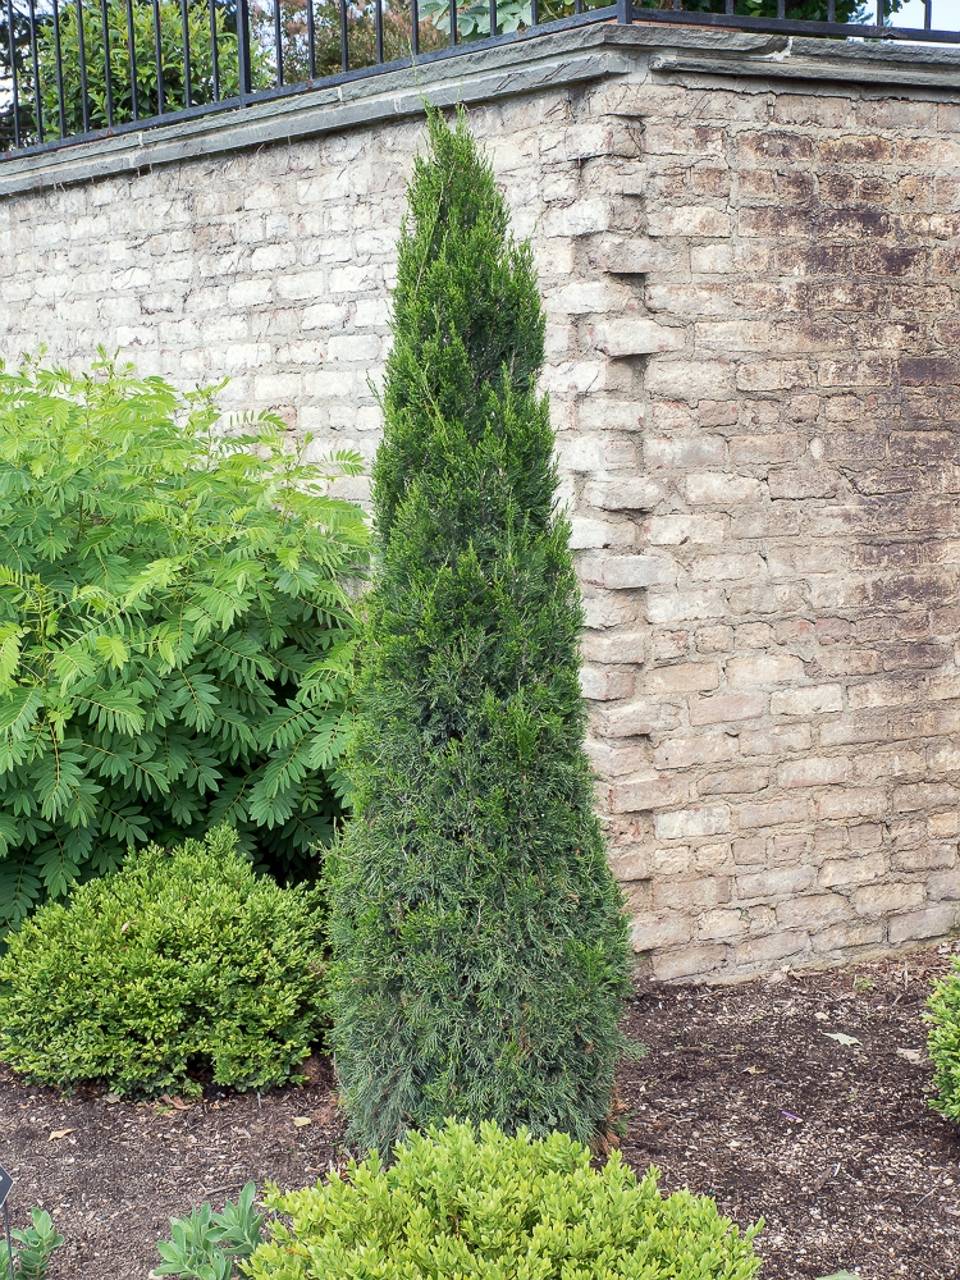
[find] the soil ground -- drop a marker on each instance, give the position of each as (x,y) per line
(743,1093)
(746,1094)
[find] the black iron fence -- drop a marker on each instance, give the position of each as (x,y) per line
(71,70)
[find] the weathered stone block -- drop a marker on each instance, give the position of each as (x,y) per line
(710,820)
(930,922)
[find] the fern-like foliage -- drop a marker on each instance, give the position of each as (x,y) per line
(176,632)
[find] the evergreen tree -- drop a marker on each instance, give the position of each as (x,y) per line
(478,935)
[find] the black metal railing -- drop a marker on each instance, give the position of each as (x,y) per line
(71,70)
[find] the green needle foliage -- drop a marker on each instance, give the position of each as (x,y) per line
(484,1206)
(478,937)
(175,631)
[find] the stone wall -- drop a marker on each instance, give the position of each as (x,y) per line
(749,256)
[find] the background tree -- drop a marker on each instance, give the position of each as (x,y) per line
(203,88)
(361,35)
(478,938)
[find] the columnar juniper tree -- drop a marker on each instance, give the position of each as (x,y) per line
(478,937)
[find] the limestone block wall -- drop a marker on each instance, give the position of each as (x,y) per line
(750,258)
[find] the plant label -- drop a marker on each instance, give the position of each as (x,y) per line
(6,1183)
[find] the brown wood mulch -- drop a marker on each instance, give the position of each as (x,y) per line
(744,1093)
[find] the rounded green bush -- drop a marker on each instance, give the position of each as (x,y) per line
(480,1205)
(943,1015)
(180,966)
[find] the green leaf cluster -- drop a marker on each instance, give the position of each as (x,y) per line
(176,629)
(484,1206)
(33,1247)
(365,28)
(140,28)
(183,963)
(479,954)
(207,1245)
(943,1042)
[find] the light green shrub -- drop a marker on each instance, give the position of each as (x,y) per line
(484,1206)
(175,629)
(943,1015)
(181,963)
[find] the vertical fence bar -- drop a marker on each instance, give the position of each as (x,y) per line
(927,14)
(243,47)
(534,12)
(185,32)
(132,59)
(625,11)
(158,50)
(108,74)
(378,30)
(214,51)
(453,22)
(35,62)
(831,10)
(493,17)
(82,53)
(58,64)
(311,42)
(880,14)
(578,6)
(344,39)
(278,41)
(12,52)
(415,26)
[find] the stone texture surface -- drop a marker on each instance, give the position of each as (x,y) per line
(752,291)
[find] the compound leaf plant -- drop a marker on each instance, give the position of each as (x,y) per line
(478,940)
(176,630)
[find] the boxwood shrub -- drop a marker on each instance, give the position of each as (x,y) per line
(183,964)
(480,1205)
(943,1015)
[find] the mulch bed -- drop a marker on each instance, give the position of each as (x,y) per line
(743,1093)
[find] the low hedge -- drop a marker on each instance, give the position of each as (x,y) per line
(180,966)
(480,1205)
